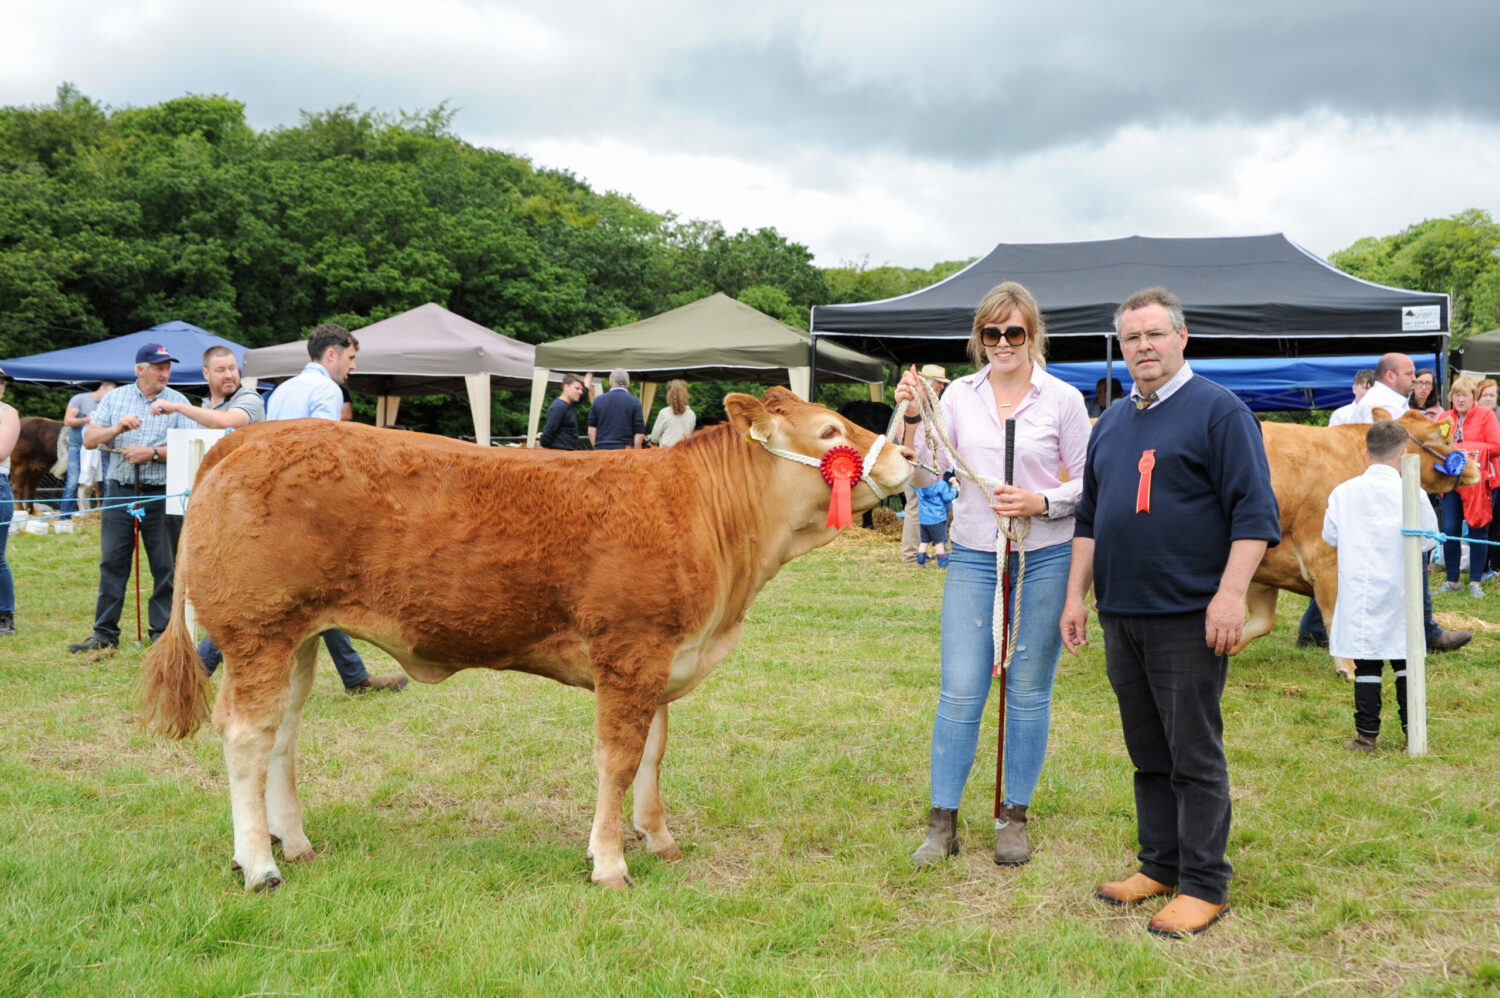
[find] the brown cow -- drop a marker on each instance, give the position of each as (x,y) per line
(626,573)
(1307,462)
(40,448)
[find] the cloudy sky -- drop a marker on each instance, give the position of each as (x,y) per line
(877,131)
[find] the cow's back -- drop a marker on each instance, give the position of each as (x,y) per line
(1306,463)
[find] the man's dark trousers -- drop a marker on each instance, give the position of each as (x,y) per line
(1168,682)
(159,533)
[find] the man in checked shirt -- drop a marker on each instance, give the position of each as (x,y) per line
(124,423)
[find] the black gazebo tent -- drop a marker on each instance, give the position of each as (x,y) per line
(1249,296)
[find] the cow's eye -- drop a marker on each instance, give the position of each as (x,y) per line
(830,431)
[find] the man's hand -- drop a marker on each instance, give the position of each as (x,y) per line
(1074,625)
(137,453)
(1224,622)
(161,407)
(129,421)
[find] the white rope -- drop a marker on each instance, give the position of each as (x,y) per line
(1015,529)
(871,456)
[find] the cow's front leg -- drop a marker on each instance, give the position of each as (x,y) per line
(247,752)
(650,815)
(622,721)
(1260,600)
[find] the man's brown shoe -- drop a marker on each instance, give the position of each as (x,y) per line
(395,682)
(1449,641)
(1185,916)
(1132,890)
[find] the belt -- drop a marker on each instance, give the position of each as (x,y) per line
(143,490)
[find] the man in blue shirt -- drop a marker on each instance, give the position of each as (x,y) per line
(315,394)
(1177,511)
(561,431)
(615,420)
(123,420)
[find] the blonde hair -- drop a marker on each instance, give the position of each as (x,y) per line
(677,395)
(1001,300)
(1465,383)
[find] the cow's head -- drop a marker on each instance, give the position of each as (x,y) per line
(780,421)
(1433,441)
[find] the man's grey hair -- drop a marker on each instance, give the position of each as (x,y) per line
(619,378)
(1364,376)
(1153,296)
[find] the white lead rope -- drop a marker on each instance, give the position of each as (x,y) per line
(1009,528)
(871,456)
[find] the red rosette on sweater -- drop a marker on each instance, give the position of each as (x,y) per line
(840,467)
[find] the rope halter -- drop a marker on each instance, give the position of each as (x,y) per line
(871,456)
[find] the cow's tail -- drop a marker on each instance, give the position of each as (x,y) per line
(174,687)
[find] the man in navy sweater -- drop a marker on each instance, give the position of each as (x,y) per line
(1176,513)
(615,420)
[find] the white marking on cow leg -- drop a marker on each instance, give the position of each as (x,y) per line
(283,808)
(1260,599)
(247,751)
(649,813)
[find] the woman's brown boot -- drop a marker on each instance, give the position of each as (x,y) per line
(942,838)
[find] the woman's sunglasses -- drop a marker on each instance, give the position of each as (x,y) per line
(1014,335)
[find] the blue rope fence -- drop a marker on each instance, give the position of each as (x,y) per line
(126,504)
(1441,537)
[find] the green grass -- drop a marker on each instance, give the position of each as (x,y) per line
(451,823)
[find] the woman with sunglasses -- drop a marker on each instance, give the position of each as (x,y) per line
(1008,345)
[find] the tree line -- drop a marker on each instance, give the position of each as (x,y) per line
(114,220)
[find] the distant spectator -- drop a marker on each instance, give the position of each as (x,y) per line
(1475,432)
(1107,391)
(1394,375)
(676,419)
(561,430)
(10,430)
(1488,390)
(911,522)
(615,420)
(1347,414)
(1425,396)
(229,403)
(85,467)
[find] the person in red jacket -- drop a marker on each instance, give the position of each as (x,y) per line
(1476,432)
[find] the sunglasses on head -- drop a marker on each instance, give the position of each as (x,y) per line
(1014,335)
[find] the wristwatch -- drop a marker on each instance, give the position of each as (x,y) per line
(1046,508)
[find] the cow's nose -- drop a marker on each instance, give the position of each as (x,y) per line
(907,453)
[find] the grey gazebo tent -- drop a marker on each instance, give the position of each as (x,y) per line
(714,338)
(425,351)
(1250,296)
(1479,353)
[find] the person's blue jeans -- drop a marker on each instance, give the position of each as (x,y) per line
(70,484)
(968,659)
(7,581)
(1312,625)
(345,659)
(1434,631)
(1451,510)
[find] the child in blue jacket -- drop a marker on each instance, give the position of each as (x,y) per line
(933,502)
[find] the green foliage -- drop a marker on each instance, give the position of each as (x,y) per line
(1456,256)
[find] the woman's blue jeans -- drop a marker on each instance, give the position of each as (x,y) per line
(968,658)
(7,581)
(1451,508)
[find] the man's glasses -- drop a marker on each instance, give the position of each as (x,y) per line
(990,336)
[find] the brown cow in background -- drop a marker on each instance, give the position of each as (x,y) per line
(40,448)
(628,573)
(1307,462)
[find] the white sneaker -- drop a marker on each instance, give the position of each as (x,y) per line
(1449,587)
(1475,590)
(62,527)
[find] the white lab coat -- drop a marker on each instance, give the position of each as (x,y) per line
(1364,522)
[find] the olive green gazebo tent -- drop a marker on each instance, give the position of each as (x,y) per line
(713,339)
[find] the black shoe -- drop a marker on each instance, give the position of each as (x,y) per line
(7,623)
(1308,641)
(92,643)
(1449,641)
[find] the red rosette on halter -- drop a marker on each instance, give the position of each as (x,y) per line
(840,467)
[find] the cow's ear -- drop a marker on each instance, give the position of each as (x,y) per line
(750,418)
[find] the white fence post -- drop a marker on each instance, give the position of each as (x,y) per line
(1416,634)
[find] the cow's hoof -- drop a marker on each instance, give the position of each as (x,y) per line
(671,854)
(234,866)
(267,883)
(306,856)
(616,883)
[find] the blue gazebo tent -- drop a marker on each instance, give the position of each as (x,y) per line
(114,359)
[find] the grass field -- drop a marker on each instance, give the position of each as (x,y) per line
(451,823)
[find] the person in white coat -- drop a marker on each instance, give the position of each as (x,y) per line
(1369,620)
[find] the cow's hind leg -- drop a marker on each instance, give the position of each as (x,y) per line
(650,816)
(1260,600)
(249,711)
(622,721)
(283,808)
